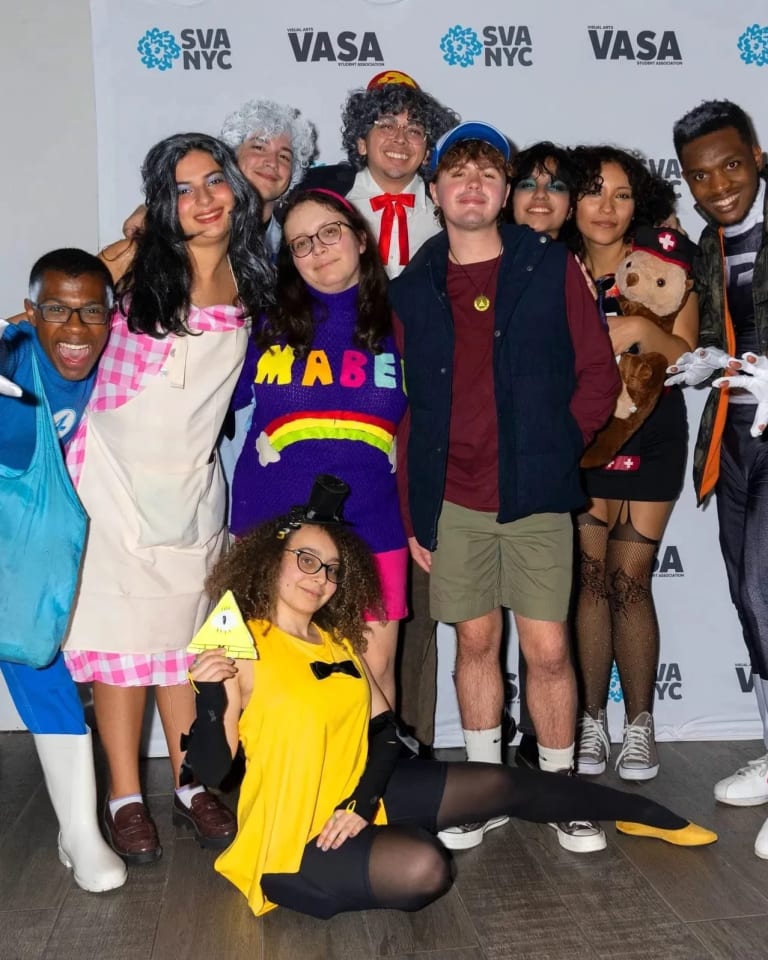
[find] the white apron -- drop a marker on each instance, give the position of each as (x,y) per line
(154,490)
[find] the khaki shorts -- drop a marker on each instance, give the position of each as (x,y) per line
(479,565)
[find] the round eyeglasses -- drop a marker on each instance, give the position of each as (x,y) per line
(328,234)
(308,563)
(95,314)
(389,128)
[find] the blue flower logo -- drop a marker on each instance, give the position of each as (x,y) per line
(460,46)
(615,692)
(158,48)
(753,45)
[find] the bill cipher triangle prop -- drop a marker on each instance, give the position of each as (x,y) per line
(226,628)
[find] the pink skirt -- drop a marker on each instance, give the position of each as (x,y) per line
(392,567)
(167,669)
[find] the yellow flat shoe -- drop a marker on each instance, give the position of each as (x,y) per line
(689,836)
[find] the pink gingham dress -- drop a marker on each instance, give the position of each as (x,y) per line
(144,463)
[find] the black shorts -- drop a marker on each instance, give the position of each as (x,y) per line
(662,446)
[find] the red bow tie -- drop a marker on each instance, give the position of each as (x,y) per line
(393,204)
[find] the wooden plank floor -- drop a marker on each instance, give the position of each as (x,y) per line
(518,896)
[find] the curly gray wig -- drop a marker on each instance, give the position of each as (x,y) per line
(270,119)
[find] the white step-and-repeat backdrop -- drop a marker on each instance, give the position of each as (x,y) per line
(590,72)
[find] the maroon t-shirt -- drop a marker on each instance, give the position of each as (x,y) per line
(472,479)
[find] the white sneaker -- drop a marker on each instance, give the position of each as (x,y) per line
(748,787)
(580,836)
(469,835)
(761,842)
(594,747)
(638,759)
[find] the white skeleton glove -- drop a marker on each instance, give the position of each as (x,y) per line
(754,378)
(694,368)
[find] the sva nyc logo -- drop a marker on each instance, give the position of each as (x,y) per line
(753,46)
(197,48)
(498,46)
(347,48)
(646,47)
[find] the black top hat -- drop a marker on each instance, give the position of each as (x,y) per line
(323,507)
(667,244)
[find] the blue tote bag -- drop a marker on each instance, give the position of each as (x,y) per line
(42,533)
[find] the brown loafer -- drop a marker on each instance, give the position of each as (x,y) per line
(132,833)
(214,823)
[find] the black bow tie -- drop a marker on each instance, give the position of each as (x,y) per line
(323,670)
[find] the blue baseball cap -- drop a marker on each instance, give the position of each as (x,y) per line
(471,130)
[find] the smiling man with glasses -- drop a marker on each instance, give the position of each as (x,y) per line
(388,131)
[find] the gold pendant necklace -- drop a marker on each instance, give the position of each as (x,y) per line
(481,302)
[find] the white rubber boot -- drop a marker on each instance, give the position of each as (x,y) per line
(67,762)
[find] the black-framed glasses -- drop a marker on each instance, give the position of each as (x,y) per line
(389,127)
(328,234)
(94,314)
(308,563)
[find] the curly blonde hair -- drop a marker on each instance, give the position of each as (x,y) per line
(250,570)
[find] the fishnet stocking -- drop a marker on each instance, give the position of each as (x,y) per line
(634,625)
(593,616)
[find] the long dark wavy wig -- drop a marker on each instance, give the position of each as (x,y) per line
(154,293)
(251,569)
(654,197)
(295,313)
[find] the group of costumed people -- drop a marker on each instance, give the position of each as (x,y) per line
(228,328)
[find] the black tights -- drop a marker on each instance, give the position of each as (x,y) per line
(402,866)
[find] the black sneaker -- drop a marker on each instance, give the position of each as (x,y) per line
(527,752)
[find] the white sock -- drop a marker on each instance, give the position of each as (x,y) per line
(554,759)
(188,791)
(114,805)
(483,746)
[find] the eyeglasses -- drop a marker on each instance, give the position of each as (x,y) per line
(93,315)
(530,185)
(389,128)
(328,234)
(308,563)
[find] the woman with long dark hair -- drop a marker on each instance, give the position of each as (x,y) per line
(327,380)
(147,472)
(628,510)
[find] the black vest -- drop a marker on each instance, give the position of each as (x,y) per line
(540,443)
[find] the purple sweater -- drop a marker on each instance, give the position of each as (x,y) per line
(334,411)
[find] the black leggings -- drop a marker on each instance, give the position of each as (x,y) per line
(402,866)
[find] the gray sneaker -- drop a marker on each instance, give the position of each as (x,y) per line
(468,835)
(580,836)
(638,759)
(594,746)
